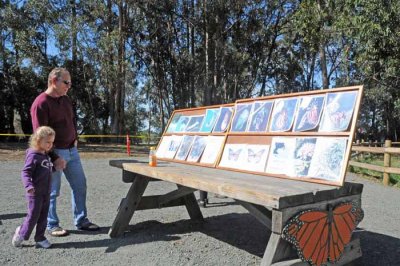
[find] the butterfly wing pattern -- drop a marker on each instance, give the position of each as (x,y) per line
(320,236)
(234,154)
(254,157)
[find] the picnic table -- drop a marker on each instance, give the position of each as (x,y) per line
(272,201)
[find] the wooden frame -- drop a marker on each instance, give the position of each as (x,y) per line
(334,134)
(196,112)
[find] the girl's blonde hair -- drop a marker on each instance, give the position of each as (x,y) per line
(39,134)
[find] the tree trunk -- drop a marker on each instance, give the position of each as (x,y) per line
(321,48)
(120,90)
(263,85)
(3,80)
(74,39)
(216,35)
(207,94)
(192,55)
(110,92)
(324,70)
(310,73)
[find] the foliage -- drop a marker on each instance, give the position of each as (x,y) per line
(134,62)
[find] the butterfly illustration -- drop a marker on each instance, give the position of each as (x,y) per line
(310,118)
(234,155)
(241,121)
(320,236)
(281,120)
(254,157)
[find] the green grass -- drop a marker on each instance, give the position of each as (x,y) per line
(377,160)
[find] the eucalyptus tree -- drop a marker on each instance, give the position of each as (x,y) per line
(315,42)
(374,27)
(25,54)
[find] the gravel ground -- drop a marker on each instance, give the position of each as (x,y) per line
(229,236)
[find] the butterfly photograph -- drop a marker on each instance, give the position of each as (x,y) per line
(163,146)
(194,123)
(241,117)
(256,157)
(328,159)
(181,124)
(211,151)
(210,120)
(173,124)
(338,111)
(184,148)
(260,116)
(281,156)
(309,113)
(303,154)
(197,149)
(320,236)
(172,146)
(283,114)
(223,119)
(233,156)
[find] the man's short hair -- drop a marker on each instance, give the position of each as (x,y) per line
(56,72)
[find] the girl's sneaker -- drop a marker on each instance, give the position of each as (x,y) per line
(43,244)
(17,239)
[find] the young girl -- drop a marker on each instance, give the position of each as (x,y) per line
(36,177)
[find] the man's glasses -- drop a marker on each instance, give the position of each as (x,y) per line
(66,82)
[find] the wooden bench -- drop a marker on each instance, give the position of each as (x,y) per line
(272,201)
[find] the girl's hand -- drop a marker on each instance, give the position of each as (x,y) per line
(31,191)
(60,164)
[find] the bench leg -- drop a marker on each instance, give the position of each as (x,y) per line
(261,213)
(192,206)
(277,249)
(128,206)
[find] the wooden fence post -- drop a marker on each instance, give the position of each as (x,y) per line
(357,153)
(361,156)
(386,163)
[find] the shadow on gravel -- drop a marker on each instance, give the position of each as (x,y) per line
(112,244)
(102,231)
(239,230)
(378,249)
(242,231)
(12,216)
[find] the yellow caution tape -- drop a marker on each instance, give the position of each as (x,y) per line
(80,136)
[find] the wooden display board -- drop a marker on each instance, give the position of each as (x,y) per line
(305,136)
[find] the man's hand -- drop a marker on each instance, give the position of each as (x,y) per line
(60,164)
(31,191)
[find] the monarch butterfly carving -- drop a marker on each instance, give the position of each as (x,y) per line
(320,236)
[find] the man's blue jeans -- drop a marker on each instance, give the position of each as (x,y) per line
(77,181)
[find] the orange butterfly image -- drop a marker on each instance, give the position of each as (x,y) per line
(320,236)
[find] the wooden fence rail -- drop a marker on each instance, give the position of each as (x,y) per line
(387,152)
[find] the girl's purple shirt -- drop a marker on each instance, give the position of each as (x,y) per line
(37,172)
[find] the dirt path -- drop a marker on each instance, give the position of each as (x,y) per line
(229,236)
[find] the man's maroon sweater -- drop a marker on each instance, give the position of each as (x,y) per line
(57,113)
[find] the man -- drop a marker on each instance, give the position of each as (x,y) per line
(53,108)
